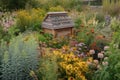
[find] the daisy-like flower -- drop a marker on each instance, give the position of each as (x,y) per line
(100,55)
(71,78)
(92,52)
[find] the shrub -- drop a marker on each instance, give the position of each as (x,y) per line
(20,58)
(57,42)
(71,67)
(111,7)
(112,70)
(86,25)
(66,4)
(115,24)
(20,4)
(48,69)
(30,19)
(3,47)
(57,9)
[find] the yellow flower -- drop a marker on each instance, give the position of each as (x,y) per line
(90,59)
(71,78)
(76,69)
(69,70)
(80,76)
(63,65)
(83,77)
(65,47)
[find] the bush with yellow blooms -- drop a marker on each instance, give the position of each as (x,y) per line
(30,19)
(71,66)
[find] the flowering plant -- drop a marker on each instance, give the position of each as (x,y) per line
(71,66)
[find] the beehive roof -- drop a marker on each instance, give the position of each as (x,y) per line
(57,20)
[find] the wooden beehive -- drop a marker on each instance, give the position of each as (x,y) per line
(58,24)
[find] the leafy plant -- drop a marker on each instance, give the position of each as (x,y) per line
(57,8)
(20,58)
(30,19)
(115,24)
(71,66)
(111,7)
(48,67)
(112,70)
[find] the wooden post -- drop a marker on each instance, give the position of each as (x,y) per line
(54,33)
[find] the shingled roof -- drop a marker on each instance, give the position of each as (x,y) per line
(57,20)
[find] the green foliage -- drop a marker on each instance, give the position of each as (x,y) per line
(3,47)
(100,17)
(48,67)
(66,4)
(57,9)
(1,31)
(30,19)
(78,23)
(11,33)
(41,38)
(111,7)
(115,24)
(58,42)
(112,71)
(44,37)
(43,4)
(20,58)
(7,35)
(116,40)
(84,37)
(19,4)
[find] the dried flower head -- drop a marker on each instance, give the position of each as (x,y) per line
(100,55)
(96,61)
(105,63)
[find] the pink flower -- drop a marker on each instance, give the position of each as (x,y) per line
(106,47)
(92,52)
(89,63)
(100,55)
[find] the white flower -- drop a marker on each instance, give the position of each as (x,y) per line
(100,55)
(92,52)
(96,61)
(105,63)
(106,58)
(106,47)
(102,52)
(99,67)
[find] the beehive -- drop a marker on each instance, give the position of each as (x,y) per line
(58,24)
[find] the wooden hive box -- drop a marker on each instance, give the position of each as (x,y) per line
(58,24)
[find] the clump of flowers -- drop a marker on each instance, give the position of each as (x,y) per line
(81,49)
(71,66)
(7,20)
